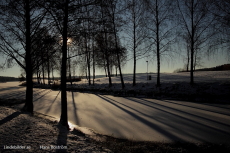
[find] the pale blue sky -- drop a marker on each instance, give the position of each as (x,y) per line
(167,66)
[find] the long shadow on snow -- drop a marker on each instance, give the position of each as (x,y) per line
(222,106)
(196,107)
(184,118)
(17,94)
(10,88)
(52,103)
(43,95)
(170,125)
(21,94)
(146,122)
(62,138)
(38,91)
(9,118)
(75,109)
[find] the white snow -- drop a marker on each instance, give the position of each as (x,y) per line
(141,118)
(9,84)
(199,76)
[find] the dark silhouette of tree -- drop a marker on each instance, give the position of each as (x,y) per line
(136,30)
(59,11)
(221,11)
(18,25)
(196,21)
(106,30)
(64,115)
(62,13)
(44,50)
(161,28)
(114,9)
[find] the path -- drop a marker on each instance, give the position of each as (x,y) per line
(136,118)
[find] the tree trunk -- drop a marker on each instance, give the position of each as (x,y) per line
(43,72)
(188,59)
(53,73)
(37,70)
(192,45)
(158,45)
(70,78)
(134,46)
(29,74)
(88,63)
(109,75)
(117,51)
(40,80)
(93,64)
(64,115)
(86,75)
(134,57)
(107,60)
(37,77)
(106,51)
(48,62)
(105,70)
(191,67)
(134,69)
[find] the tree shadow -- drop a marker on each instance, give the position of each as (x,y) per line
(164,109)
(10,88)
(17,94)
(52,103)
(75,109)
(10,117)
(143,120)
(180,119)
(62,139)
(167,101)
(47,92)
(20,94)
(38,91)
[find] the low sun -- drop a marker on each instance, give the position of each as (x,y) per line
(69,41)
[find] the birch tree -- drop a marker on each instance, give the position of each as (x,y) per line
(19,22)
(196,23)
(161,26)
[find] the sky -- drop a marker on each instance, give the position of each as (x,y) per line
(167,66)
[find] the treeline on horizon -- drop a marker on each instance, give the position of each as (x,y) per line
(5,79)
(223,67)
(43,36)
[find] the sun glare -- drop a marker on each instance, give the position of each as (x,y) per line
(69,41)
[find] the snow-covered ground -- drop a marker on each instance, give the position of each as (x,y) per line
(9,84)
(141,118)
(20,129)
(209,85)
(199,76)
(137,118)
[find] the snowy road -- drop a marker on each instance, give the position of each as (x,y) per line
(135,118)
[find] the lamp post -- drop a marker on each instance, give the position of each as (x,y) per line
(147,69)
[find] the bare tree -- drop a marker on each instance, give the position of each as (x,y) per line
(106,30)
(62,13)
(64,116)
(221,11)
(59,11)
(18,25)
(161,28)
(44,50)
(196,22)
(114,11)
(136,30)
